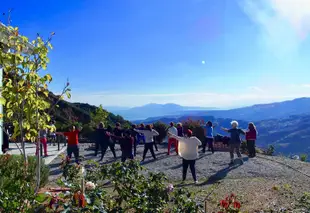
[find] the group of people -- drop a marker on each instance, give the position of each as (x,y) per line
(186,144)
(127,139)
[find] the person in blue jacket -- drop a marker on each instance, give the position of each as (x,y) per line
(209,137)
(141,137)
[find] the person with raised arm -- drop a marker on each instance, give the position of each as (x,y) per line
(188,151)
(73,142)
(172,130)
(149,134)
(103,140)
(140,137)
(209,137)
(235,140)
(134,135)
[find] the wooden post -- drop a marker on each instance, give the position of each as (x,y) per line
(58,142)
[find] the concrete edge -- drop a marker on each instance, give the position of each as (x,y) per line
(48,161)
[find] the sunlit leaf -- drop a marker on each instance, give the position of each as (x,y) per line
(68,94)
(2,101)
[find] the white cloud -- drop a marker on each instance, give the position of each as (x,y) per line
(283,24)
(256,89)
(249,96)
(306,85)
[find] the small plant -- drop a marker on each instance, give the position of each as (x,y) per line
(270,150)
(303,157)
(230,205)
(276,188)
(304,202)
(243,147)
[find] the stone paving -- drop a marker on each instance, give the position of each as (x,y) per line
(52,150)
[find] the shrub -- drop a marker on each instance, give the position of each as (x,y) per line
(304,157)
(270,150)
(87,131)
(12,168)
(17,182)
(230,204)
(196,127)
(161,128)
(134,190)
(243,147)
(304,202)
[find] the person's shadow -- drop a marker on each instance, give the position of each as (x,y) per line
(221,174)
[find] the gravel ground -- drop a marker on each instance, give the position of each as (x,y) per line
(264,182)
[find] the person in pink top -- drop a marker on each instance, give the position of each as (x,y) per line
(250,136)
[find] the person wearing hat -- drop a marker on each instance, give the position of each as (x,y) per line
(188,151)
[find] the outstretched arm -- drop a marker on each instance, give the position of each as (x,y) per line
(197,141)
(155,133)
(242,131)
(174,136)
(141,131)
(224,129)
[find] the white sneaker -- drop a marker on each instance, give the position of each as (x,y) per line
(196,182)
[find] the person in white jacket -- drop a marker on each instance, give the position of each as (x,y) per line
(188,151)
(149,134)
(172,130)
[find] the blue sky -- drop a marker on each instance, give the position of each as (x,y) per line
(134,52)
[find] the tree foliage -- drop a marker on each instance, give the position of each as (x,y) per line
(161,128)
(100,115)
(25,83)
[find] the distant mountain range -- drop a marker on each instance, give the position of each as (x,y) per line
(250,113)
(155,110)
(290,135)
(285,124)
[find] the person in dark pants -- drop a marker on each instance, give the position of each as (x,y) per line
(209,137)
(155,145)
(117,133)
(188,150)
(140,137)
(126,143)
(5,145)
(103,138)
(73,143)
(134,135)
(149,134)
(235,141)
(180,129)
(250,136)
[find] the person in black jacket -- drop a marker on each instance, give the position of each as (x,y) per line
(126,143)
(5,145)
(103,140)
(134,135)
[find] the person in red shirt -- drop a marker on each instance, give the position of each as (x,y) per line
(73,143)
(250,137)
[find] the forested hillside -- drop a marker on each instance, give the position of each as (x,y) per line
(67,113)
